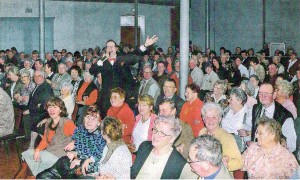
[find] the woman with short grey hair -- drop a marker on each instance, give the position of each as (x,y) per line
(249,89)
(212,116)
(284,90)
(157,159)
(238,119)
(66,95)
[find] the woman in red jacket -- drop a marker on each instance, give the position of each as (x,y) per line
(120,110)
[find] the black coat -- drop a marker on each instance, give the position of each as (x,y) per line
(37,103)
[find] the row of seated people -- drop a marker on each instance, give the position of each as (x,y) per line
(186,113)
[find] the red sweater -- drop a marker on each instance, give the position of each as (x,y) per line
(126,116)
(191,114)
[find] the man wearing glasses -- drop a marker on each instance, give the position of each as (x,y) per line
(37,99)
(169,92)
(271,109)
(205,158)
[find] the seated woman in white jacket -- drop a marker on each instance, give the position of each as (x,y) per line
(116,160)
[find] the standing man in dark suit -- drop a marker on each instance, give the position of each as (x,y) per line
(112,70)
(169,90)
(37,100)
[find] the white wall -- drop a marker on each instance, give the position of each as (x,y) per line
(79,25)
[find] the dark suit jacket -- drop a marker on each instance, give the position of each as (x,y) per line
(178,103)
(293,69)
(37,103)
(117,75)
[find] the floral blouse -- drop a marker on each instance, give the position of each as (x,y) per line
(281,164)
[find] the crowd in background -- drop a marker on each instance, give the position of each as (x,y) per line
(116,112)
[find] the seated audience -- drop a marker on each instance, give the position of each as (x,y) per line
(211,113)
(191,109)
(120,110)
(267,159)
(144,122)
(85,150)
(205,158)
(158,159)
(58,132)
(116,159)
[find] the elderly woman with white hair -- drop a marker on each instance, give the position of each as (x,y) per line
(28,66)
(158,159)
(276,60)
(238,119)
(86,95)
(284,90)
(66,95)
(212,116)
(250,91)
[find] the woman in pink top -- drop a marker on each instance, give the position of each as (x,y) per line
(144,122)
(268,159)
(284,90)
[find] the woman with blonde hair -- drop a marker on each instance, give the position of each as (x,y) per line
(116,160)
(144,122)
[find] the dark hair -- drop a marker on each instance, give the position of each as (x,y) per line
(254,60)
(112,128)
(244,51)
(193,87)
(92,111)
(56,101)
(161,62)
(110,40)
(229,52)
(76,68)
(171,80)
(53,65)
